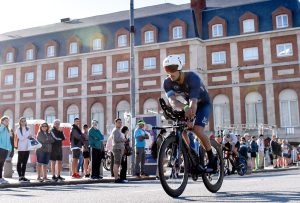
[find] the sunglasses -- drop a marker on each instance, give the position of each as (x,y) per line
(44,126)
(171,68)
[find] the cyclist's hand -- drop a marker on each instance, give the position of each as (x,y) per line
(190,124)
(189,113)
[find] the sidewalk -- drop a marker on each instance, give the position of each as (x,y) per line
(14,183)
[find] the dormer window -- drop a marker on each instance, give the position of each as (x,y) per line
(97,44)
(177,32)
(217,30)
(248,25)
(73,48)
(122,41)
(149,37)
(50,51)
(282,21)
(9,57)
(29,54)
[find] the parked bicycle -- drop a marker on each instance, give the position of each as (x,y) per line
(176,160)
(107,161)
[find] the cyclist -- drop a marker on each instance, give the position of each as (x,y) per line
(196,105)
(230,142)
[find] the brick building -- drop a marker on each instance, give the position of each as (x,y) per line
(247,52)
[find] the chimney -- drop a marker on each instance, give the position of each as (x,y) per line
(197,6)
(65,20)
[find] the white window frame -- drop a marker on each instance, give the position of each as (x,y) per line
(9,79)
(50,51)
(29,54)
(218,57)
(248,25)
(73,72)
(29,77)
(73,48)
(177,32)
(149,63)
(280,21)
(122,40)
(217,30)
(97,69)
(250,54)
(149,36)
(97,44)
(289,112)
(122,66)
(281,50)
(9,57)
(50,74)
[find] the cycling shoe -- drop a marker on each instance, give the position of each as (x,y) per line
(212,165)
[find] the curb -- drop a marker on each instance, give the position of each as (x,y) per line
(73,182)
(275,170)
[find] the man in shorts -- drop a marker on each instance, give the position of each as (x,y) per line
(76,140)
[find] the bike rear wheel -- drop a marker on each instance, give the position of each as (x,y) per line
(173,177)
(213,181)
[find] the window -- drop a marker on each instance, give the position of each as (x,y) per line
(97,44)
(218,57)
(50,74)
(123,109)
(72,112)
(29,77)
(50,51)
(9,57)
(284,50)
(28,114)
(72,72)
(182,57)
(150,63)
(9,80)
(250,54)
(282,21)
(149,37)
(29,54)
(122,66)
(217,30)
(221,111)
(248,25)
(50,114)
(97,69)
(150,107)
(177,32)
(254,109)
(73,48)
(122,41)
(289,111)
(97,113)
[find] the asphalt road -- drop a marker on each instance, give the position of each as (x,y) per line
(281,186)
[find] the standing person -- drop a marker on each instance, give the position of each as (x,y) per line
(285,153)
(96,147)
(43,154)
(275,150)
(254,149)
(261,152)
(56,152)
(123,172)
(279,157)
(5,145)
(140,135)
(23,135)
(76,145)
(86,151)
(118,148)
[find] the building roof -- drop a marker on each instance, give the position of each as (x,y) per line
(116,17)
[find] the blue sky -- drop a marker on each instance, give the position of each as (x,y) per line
(21,14)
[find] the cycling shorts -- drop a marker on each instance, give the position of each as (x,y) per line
(202,115)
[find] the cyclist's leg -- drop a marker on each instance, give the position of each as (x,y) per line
(202,117)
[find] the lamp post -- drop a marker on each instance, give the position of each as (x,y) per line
(132,80)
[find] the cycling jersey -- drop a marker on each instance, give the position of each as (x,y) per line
(192,88)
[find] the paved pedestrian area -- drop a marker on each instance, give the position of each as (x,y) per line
(32,176)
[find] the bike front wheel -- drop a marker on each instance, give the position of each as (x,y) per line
(173,167)
(214,181)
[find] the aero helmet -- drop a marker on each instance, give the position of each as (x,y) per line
(172,63)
